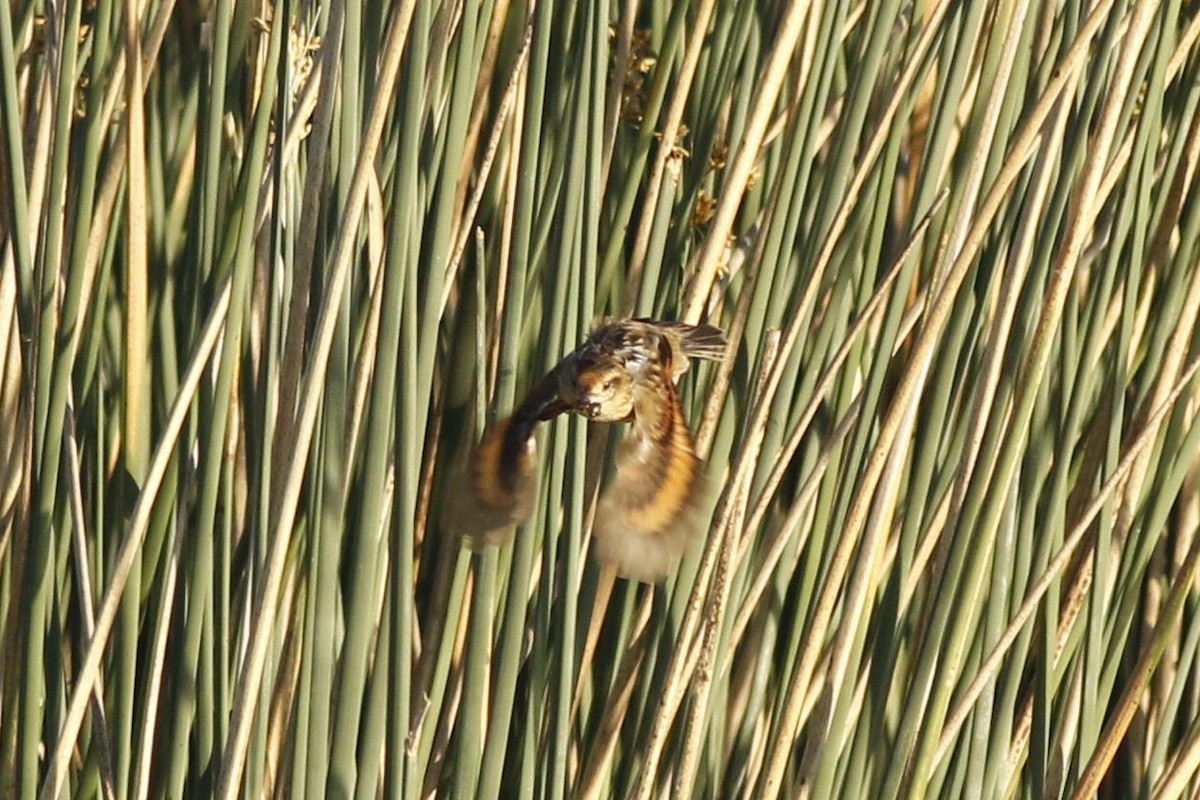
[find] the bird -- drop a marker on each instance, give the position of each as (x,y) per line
(499,473)
(623,371)
(599,377)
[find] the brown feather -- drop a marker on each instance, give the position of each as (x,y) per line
(647,515)
(623,371)
(499,475)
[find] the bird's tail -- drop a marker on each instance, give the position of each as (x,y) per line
(699,341)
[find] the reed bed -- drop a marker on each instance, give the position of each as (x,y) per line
(269,269)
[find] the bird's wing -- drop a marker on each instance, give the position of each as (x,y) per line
(647,515)
(500,473)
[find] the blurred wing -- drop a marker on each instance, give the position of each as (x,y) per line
(498,483)
(647,515)
(500,474)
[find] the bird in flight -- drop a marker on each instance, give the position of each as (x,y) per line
(624,371)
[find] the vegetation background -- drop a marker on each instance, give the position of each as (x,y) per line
(268,268)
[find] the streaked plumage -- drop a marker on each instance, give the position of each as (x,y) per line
(625,371)
(499,475)
(647,513)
